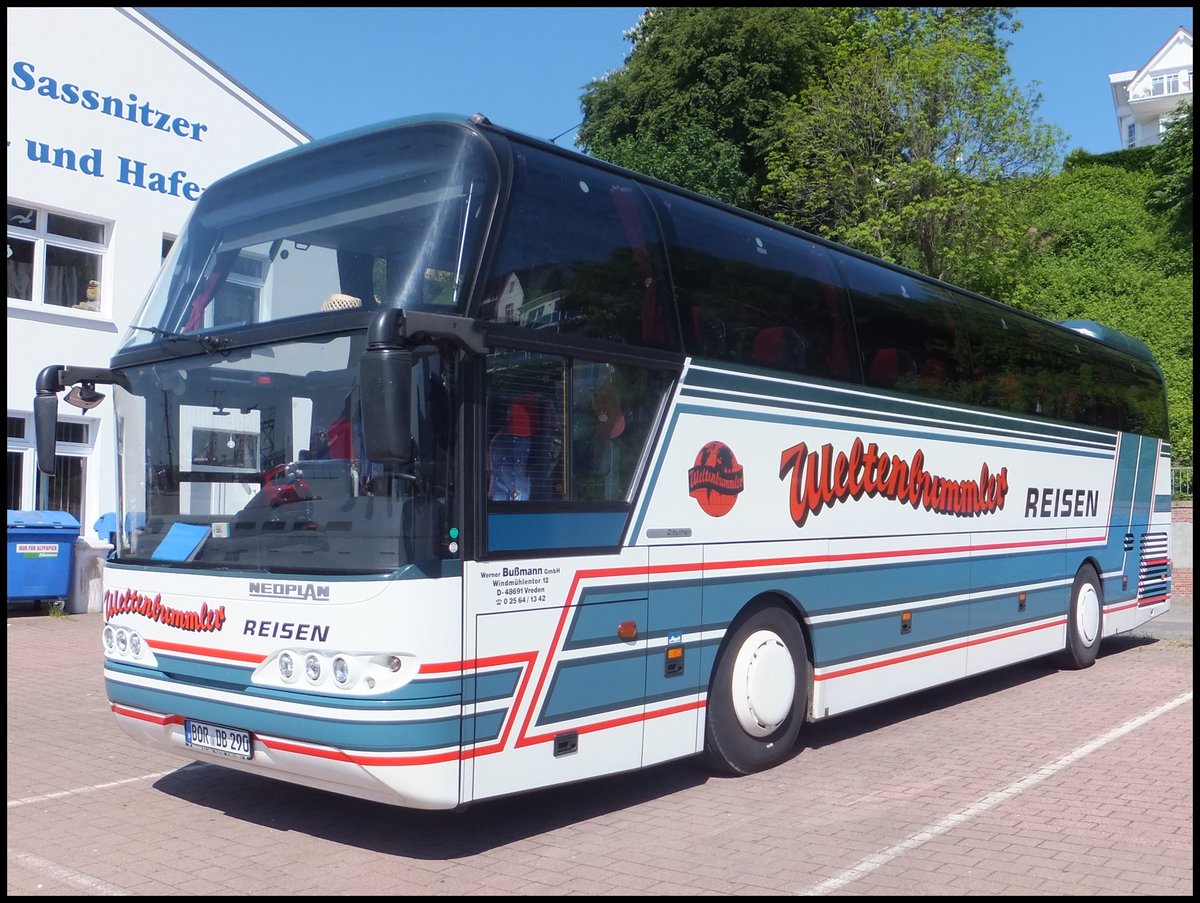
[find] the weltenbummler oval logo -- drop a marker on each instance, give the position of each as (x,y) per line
(716,480)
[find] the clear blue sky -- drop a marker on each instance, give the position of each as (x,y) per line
(328,69)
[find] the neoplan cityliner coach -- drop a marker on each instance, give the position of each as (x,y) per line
(454,464)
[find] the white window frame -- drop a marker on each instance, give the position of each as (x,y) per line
(39,235)
(30,475)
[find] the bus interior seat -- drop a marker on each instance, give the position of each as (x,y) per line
(889,366)
(780,347)
(509,452)
(934,373)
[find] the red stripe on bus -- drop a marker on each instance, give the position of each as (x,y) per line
(207,652)
(913,656)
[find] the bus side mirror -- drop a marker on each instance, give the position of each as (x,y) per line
(45,430)
(52,380)
(385,391)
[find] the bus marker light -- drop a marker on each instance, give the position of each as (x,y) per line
(674,663)
(1020,601)
(627,630)
(906,622)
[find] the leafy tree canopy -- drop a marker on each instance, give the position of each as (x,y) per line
(1102,254)
(1171,193)
(899,152)
(699,91)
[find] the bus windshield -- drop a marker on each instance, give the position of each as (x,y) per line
(392,220)
(253,461)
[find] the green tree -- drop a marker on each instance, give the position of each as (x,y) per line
(1171,193)
(696,100)
(1100,253)
(902,150)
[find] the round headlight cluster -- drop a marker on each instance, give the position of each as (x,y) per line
(343,671)
(121,642)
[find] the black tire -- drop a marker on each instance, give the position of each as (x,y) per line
(758,697)
(1085,620)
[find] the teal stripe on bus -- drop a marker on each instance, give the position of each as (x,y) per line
(338,732)
(879,402)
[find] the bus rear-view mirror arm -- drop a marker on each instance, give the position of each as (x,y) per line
(83,395)
(385,374)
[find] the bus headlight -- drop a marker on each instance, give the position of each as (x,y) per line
(122,640)
(135,644)
(287,666)
(312,668)
(110,638)
(342,671)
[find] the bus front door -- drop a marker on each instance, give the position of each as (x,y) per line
(555,662)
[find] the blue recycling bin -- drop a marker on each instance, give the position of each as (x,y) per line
(41,553)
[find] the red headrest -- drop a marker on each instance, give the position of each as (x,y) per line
(521,418)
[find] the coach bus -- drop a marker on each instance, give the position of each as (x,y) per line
(453,464)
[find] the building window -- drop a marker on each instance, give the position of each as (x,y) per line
(31,490)
(1173,83)
(1156,85)
(54,259)
(1130,134)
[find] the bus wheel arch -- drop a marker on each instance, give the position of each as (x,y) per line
(760,689)
(1085,619)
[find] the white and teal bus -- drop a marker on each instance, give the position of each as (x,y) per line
(453,464)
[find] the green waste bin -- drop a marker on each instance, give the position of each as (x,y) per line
(41,553)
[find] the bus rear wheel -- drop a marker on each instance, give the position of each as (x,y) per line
(759,694)
(1085,620)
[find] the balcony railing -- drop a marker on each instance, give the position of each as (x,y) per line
(1181,482)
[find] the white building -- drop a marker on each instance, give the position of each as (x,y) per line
(115,128)
(1144,98)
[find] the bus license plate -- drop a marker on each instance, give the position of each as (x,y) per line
(225,741)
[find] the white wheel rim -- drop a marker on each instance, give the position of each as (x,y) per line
(764,683)
(1087,614)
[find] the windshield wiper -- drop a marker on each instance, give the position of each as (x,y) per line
(211,344)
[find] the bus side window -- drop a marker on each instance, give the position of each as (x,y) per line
(579,254)
(911,333)
(776,296)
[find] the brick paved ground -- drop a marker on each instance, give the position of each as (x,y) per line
(988,787)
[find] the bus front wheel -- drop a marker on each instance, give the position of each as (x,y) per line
(1085,620)
(759,694)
